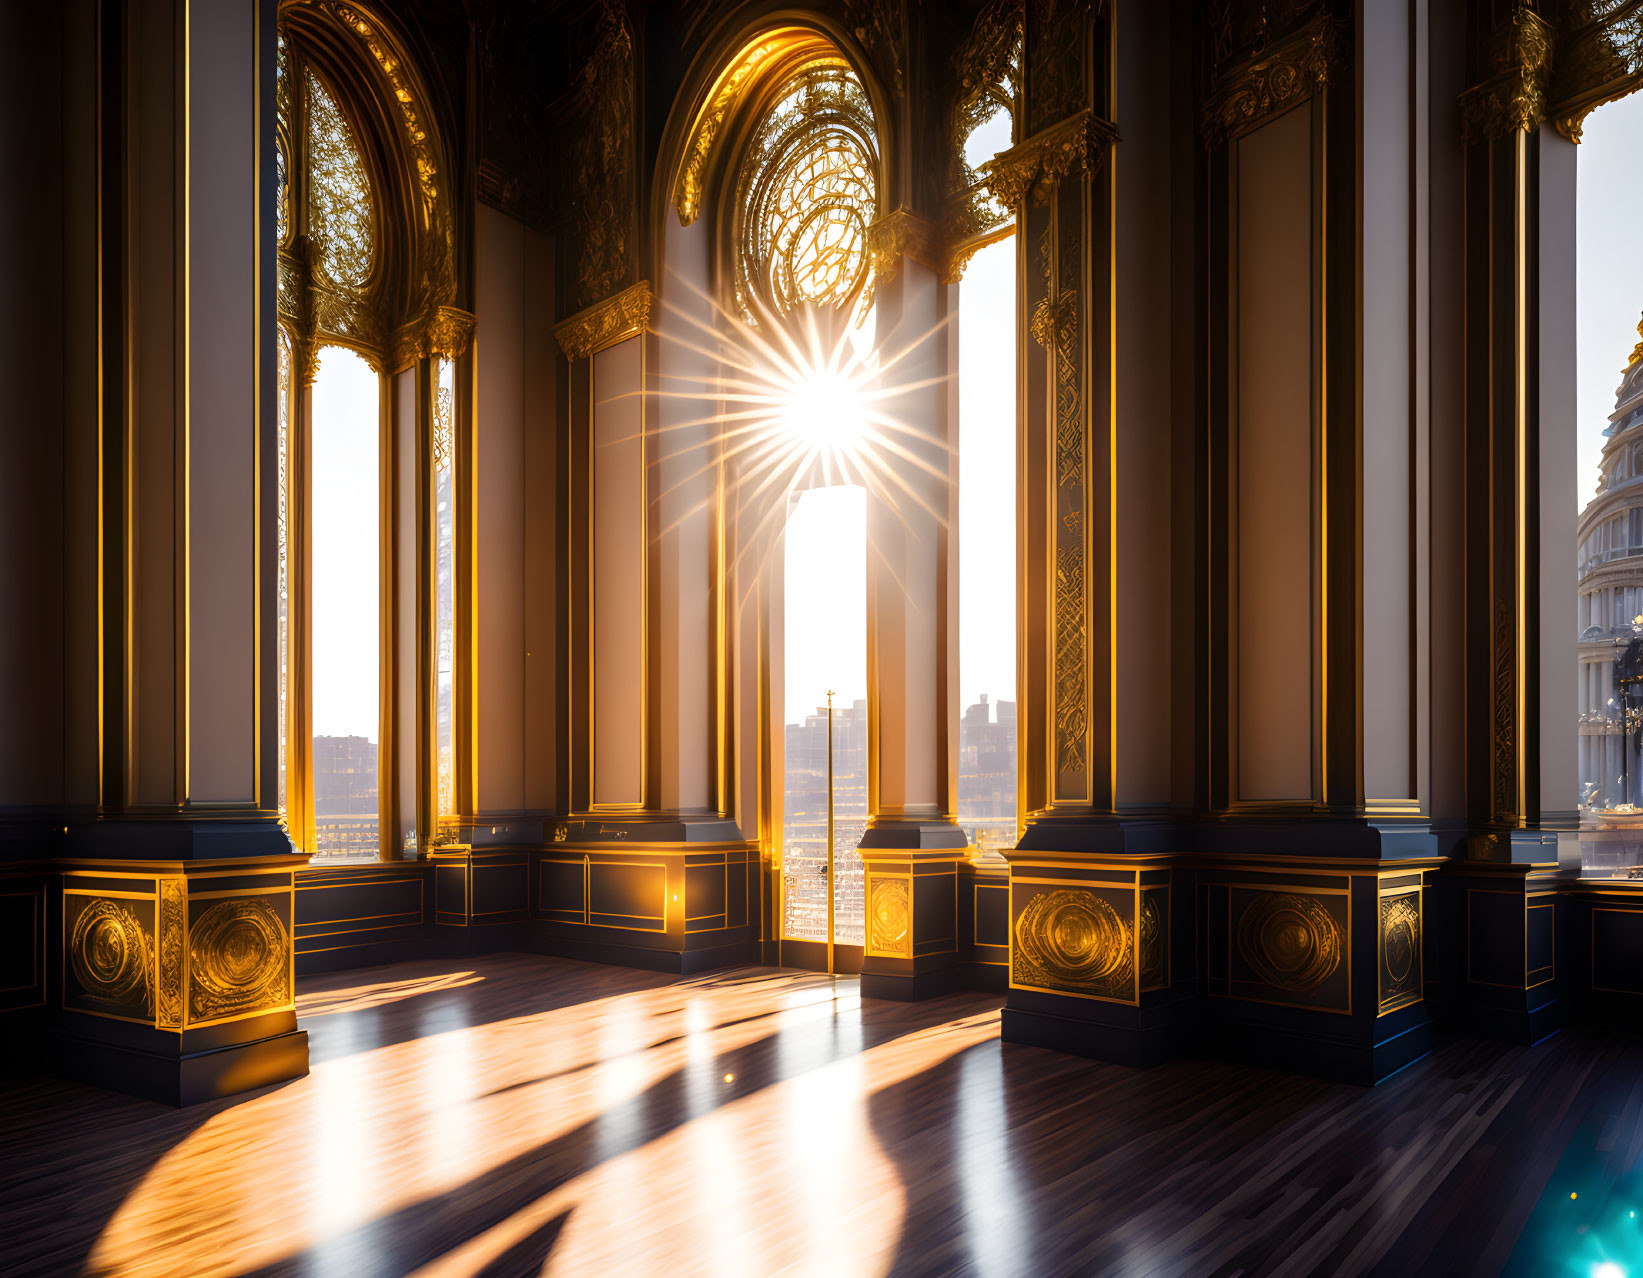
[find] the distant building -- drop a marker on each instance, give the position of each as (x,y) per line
(346,816)
(987,776)
(804,825)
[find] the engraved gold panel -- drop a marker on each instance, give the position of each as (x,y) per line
(112,956)
(238,959)
(1071,939)
(173,940)
(890,916)
(1290,941)
(1400,951)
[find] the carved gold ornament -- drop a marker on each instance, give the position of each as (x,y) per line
(1599,58)
(807,194)
(1513,95)
(705,133)
(891,918)
(1290,941)
(1079,145)
(605,323)
(1249,92)
(341,222)
(173,939)
(1072,938)
(1400,950)
(239,960)
(112,956)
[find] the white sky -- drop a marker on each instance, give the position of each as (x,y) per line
(343,514)
(1609,270)
(825,589)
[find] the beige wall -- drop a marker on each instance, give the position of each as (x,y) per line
(514,424)
(618,587)
(1274,406)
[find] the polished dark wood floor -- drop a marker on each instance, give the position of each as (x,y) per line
(517,1115)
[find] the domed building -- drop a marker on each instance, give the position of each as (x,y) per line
(1610,566)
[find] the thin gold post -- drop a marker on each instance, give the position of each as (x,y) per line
(830,875)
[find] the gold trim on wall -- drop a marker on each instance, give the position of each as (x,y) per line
(1251,91)
(605,323)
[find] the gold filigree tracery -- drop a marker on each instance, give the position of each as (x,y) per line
(808,193)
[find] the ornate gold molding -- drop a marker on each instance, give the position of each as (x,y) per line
(1513,97)
(605,323)
(898,235)
(1077,145)
(1599,58)
(444,331)
(690,182)
(173,937)
(1249,92)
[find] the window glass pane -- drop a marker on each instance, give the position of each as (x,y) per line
(345,526)
(825,648)
(987,541)
(445,584)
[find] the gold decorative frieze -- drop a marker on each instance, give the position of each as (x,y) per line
(1400,951)
(1513,96)
(1290,941)
(1073,940)
(890,917)
(605,323)
(599,157)
(173,940)
(112,957)
(239,960)
(1599,58)
(1252,90)
(1078,145)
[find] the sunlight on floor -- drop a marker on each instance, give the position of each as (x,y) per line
(652,1129)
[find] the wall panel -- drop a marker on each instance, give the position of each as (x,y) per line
(1274,343)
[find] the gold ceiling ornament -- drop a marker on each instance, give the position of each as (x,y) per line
(1078,145)
(1248,92)
(807,194)
(877,25)
(1291,942)
(600,158)
(892,919)
(1073,939)
(239,960)
(1599,58)
(112,956)
(704,134)
(1512,97)
(605,323)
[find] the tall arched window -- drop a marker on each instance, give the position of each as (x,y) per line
(369,342)
(986,250)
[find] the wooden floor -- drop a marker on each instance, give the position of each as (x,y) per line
(516,1115)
